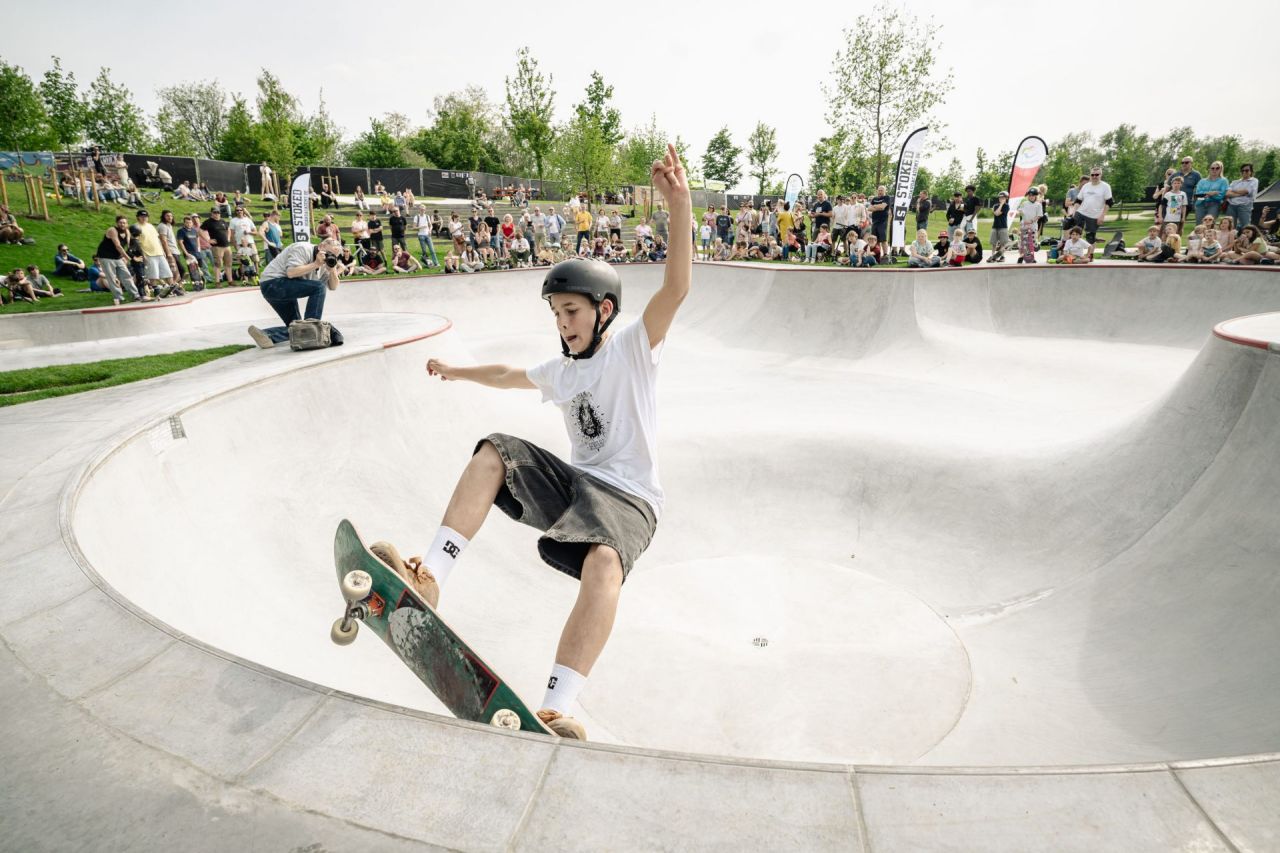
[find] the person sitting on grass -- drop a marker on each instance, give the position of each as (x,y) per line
(471,260)
(820,247)
(67,265)
(1076,249)
(402,261)
(1249,248)
(872,252)
(920,253)
(1226,231)
(1149,247)
(519,250)
(19,287)
(721,250)
(972,247)
(40,284)
(1195,242)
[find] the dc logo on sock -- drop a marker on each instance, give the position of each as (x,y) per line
(551,685)
(451,549)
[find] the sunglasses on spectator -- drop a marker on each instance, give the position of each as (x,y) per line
(1095,174)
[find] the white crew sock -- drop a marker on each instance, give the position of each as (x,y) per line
(563,688)
(445,551)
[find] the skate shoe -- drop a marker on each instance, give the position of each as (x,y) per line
(416,575)
(565,727)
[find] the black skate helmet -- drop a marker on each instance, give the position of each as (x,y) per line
(595,280)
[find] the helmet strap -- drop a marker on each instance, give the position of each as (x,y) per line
(595,338)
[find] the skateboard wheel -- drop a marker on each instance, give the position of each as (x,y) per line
(356,585)
(343,636)
(506,718)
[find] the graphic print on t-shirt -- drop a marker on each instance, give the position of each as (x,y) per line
(590,426)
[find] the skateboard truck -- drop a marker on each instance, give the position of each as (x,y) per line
(356,587)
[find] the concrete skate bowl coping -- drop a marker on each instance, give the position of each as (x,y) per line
(988,518)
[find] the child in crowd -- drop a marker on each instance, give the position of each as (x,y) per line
(1149,247)
(704,236)
(1172,244)
(869,252)
(1173,206)
(920,251)
(1076,249)
(40,284)
(1029,212)
(972,247)
(820,247)
(1194,244)
(722,251)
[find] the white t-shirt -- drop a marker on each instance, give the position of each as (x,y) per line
(705,232)
(1077,247)
(240,225)
(1030,211)
(423,223)
(609,402)
(844,214)
(1175,206)
(1093,199)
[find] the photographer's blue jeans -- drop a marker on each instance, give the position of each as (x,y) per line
(282,294)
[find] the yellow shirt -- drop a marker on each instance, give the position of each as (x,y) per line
(149,240)
(785,222)
(584,220)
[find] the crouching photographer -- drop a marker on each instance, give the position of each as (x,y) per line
(302,271)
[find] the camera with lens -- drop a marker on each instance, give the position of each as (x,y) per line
(330,261)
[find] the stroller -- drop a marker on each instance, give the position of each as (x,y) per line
(157,177)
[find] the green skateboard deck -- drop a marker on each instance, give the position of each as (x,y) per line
(467,686)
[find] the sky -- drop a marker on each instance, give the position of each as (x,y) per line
(1020,68)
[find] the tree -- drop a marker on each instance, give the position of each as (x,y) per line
(63,105)
(530,103)
(1128,160)
(839,164)
(317,139)
(950,181)
(191,119)
(112,119)
(762,154)
(884,82)
(376,148)
(991,176)
(239,141)
(1266,173)
(461,133)
(24,126)
(596,108)
(583,157)
(642,146)
(720,162)
(278,121)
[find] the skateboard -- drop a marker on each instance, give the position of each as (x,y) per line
(433,651)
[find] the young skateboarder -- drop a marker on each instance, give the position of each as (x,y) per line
(599,510)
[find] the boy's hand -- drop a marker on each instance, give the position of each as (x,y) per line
(436,367)
(669,178)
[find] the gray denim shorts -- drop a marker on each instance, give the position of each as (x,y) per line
(574,509)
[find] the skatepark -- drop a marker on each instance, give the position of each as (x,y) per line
(954,559)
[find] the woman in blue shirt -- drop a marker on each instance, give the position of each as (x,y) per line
(1211,192)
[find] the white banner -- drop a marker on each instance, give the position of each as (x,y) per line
(300,208)
(905,188)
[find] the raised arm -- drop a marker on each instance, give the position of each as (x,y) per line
(491,375)
(670,180)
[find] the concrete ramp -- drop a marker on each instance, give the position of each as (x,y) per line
(909,515)
(951,560)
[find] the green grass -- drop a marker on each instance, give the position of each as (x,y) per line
(40,383)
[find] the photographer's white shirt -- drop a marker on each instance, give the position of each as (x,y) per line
(609,403)
(297,255)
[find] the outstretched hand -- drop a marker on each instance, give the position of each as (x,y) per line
(669,178)
(436,367)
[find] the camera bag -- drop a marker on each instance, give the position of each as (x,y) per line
(309,334)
